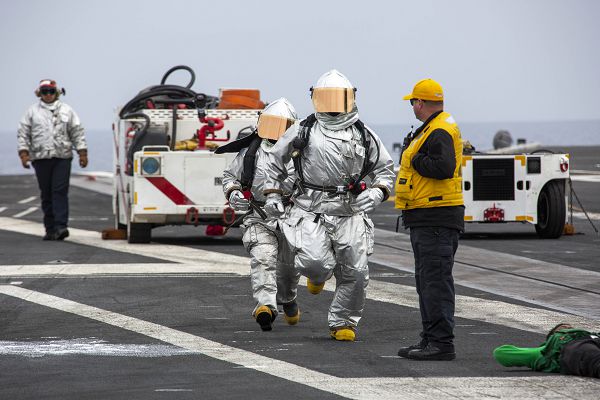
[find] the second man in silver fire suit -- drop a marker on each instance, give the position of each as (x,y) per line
(328,227)
(274,279)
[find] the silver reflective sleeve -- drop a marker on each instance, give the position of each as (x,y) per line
(233,173)
(24,132)
(277,167)
(382,175)
(75,131)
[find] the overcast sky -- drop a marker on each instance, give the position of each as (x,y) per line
(510,60)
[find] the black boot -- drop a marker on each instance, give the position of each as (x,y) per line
(61,234)
(49,235)
(403,351)
(431,353)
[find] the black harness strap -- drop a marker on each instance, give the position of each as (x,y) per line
(301,142)
(250,164)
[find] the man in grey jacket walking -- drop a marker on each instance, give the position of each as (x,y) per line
(47,135)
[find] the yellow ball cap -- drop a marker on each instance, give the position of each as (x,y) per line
(426,89)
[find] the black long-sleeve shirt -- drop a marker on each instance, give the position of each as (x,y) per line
(435,159)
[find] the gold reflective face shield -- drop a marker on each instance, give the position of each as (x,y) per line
(272,126)
(333,99)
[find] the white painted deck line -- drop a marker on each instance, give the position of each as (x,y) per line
(190,342)
(89,347)
(147,269)
(581,215)
(535,292)
(547,387)
(25,212)
(27,200)
(586,178)
(585,172)
(178,254)
(496,312)
(2,209)
(98,182)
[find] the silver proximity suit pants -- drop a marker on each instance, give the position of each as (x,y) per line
(272,274)
(327,245)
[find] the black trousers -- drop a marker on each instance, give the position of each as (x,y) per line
(434,249)
(53,180)
(581,357)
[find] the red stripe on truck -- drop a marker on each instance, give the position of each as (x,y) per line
(170,191)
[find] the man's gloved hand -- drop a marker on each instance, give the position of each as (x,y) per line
(24,156)
(274,206)
(83,158)
(369,199)
(238,202)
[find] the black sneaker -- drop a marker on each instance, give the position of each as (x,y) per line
(61,234)
(431,353)
(403,351)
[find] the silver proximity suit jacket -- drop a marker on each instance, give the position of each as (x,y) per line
(50,131)
(233,174)
(331,158)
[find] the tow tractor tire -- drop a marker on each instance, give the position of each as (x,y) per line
(139,232)
(551,209)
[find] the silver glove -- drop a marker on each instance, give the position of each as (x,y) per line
(369,199)
(274,206)
(238,202)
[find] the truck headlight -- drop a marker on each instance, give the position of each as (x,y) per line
(150,165)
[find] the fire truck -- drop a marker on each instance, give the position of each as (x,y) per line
(166,171)
(530,188)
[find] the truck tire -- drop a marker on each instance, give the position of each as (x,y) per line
(551,210)
(139,232)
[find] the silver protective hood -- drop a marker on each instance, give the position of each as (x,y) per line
(335,79)
(339,121)
(280,108)
(276,119)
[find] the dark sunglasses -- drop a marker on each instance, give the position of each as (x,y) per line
(47,91)
(412,101)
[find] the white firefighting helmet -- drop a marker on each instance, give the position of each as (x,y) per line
(276,118)
(333,93)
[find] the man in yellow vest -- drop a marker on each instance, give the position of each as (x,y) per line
(429,193)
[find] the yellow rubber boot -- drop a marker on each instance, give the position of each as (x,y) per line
(291,313)
(264,317)
(345,333)
(313,287)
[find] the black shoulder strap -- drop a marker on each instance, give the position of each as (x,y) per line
(300,143)
(305,126)
(250,163)
(366,142)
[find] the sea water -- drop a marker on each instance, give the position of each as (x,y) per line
(480,135)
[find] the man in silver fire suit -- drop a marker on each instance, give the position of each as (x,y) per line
(274,278)
(47,134)
(328,227)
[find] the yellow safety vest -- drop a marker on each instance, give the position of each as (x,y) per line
(416,191)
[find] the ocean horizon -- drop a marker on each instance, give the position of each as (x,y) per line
(479,134)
